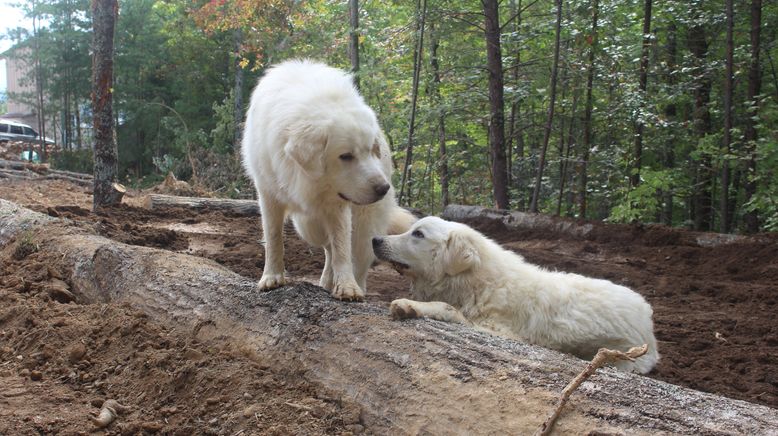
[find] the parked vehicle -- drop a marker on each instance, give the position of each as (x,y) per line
(13,131)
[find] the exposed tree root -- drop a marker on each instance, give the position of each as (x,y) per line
(603,357)
(108,413)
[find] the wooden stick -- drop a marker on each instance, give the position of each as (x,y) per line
(603,357)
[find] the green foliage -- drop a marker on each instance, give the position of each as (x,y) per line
(79,161)
(177,63)
(641,203)
(222,136)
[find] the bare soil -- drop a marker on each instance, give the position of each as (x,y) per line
(714,312)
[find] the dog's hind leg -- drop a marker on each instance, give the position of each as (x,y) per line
(273,215)
(404,308)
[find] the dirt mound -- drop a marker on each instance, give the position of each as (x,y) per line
(714,306)
(61,361)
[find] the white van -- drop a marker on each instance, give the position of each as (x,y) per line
(13,131)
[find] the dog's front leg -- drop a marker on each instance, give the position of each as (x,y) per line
(326,274)
(404,308)
(273,215)
(344,285)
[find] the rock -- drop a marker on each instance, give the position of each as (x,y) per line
(36,375)
(151,426)
(76,352)
(169,410)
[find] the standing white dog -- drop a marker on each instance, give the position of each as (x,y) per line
(316,153)
(462,276)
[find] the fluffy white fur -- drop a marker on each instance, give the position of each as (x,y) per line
(461,276)
(316,153)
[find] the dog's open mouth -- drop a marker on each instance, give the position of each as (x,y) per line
(399,266)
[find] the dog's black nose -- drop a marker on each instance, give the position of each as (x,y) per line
(377,242)
(381,190)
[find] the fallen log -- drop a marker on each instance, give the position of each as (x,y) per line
(73,174)
(408,377)
(17,175)
(30,175)
(22,165)
(238,207)
(552,225)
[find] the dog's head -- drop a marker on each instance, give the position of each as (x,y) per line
(431,250)
(344,151)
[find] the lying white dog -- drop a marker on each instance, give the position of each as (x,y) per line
(316,153)
(462,276)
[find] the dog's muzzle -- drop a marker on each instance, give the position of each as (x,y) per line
(379,248)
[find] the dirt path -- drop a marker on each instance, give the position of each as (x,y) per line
(714,313)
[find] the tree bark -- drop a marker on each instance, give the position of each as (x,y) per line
(353,9)
(237,207)
(496,104)
(436,100)
(550,117)
(587,121)
(751,217)
(104,15)
(416,376)
(670,112)
(564,155)
(642,87)
(702,197)
(514,133)
(421,11)
(727,145)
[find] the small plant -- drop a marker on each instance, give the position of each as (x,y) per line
(25,247)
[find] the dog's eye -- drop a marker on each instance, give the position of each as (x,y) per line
(346,157)
(417,234)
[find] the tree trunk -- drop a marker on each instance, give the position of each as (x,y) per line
(670,112)
(496,104)
(550,117)
(353,45)
(751,218)
(642,86)
(727,145)
(514,132)
(587,121)
(702,198)
(565,157)
(442,154)
(421,18)
(79,139)
(417,376)
(104,15)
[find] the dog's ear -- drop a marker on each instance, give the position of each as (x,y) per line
(306,146)
(461,253)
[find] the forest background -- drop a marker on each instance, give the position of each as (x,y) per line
(619,110)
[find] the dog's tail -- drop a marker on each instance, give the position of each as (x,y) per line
(400,221)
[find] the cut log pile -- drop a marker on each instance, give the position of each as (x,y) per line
(10,169)
(415,376)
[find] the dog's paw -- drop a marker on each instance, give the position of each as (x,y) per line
(348,291)
(271,281)
(403,309)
